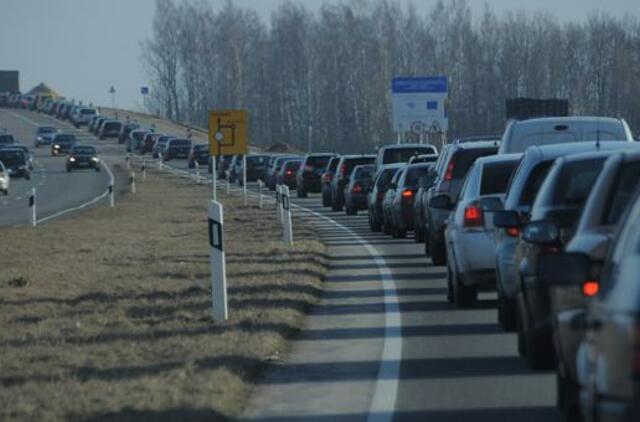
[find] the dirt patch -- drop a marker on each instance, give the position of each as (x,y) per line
(107,315)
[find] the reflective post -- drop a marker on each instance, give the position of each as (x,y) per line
(32,205)
(244,180)
(217,263)
(287,230)
(132,182)
(214,176)
(111,196)
(260,193)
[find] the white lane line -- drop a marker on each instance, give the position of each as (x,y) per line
(86,204)
(383,403)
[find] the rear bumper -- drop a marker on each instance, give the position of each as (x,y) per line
(609,410)
(474,253)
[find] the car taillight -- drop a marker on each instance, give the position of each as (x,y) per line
(449,173)
(473,216)
(512,231)
(590,288)
(357,188)
(289,172)
(343,169)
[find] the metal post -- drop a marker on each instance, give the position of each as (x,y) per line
(132,182)
(128,160)
(32,205)
(214,176)
(260,193)
(279,202)
(228,183)
(217,263)
(244,179)
(143,169)
(111,197)
(287,230)
(197,172)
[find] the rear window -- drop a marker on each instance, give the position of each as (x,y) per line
(412,179)
(350,163)
(495,177)
(200,148)
(402,155)
(385,177)
(534,181)
(464,159)
(293,164)
(88,111)
(138,135)
(6,139)
(46,130)
(627,183)
(84,150)
(257,160)
(575,181)
(366,172)
(333,164)
(318,162)
(180,143)
(65,138)
(112,125)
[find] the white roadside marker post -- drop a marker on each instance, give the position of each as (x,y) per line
(260,193)
(128,160)
(279,202)
(217,263)
(287,230)
(143,169)
(214,176)
(32,205)
(197,165)
(244,180)
(132,182)
(111,196)
(228,182)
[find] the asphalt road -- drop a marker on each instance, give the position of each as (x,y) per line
(384,344)
(56,190)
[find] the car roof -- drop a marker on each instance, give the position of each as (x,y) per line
(567,119)
(544,152)
(475,145)
(500,158)
(400,146)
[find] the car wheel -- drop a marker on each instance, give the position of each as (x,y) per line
(522,350)
(27,176)
(464,296)
(568,399)
(386,227)
(301,193)
(449,285)
(418,235)
(506,312)
(325,200)
(98,168)
(539,350)
(68,169)
(192,165)
(437,251)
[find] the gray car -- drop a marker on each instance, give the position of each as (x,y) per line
(44,135)
(521,193)
(452,171)
(468,236)
(607,203)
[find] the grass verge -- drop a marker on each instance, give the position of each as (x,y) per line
(107,315)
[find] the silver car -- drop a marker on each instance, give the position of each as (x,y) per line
(468,235)
(520,135)
(607,203)
(522,190)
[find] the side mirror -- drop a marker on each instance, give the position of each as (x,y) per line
(541,233)
(491,204)
(441,202)
(564,269)
(506,219)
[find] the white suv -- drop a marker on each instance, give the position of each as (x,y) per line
(82,116)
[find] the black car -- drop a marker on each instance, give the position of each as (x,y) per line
(375,196)
(125,130)
(62,143)
(401,209)
(355,193)
(341,178)
(83,157)
(6,139)
(176,148)
(199,154)
(309,175)
(15,162)
(327,177)
(158,147)
(256,168)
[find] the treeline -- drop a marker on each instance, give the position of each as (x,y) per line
(324,78)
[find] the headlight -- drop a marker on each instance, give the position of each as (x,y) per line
(39,138)
(72,159)
(95,159)
(56,146)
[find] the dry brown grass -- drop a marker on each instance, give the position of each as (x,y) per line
(107,315)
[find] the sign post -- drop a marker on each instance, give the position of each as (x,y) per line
(217,263)
(111,196)
(228,136)
(287,230)
(32,205)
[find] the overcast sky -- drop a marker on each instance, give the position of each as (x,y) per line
(82,47)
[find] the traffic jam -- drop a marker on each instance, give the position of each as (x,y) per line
(547,215)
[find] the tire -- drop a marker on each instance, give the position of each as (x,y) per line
(568,401)
(418,235)
(27,176)
(350,211)
(301,193)
(386,227)
(522,350)
(540,354)
(506,312)
(68,169)
(464,296)
(449,285)
(98,169)
(437,251)
(192,165)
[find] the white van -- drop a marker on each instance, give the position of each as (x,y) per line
(4,179)
(520,135)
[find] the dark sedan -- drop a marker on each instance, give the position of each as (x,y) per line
(355,193)
(83,157)
(15,162)
(62,143)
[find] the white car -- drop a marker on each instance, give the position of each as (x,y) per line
(469,231)
(4,179)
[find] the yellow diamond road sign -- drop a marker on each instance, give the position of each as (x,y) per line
(228,132)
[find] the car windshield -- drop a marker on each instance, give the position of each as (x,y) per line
(495,177)
(84,150)
(47,129)
(365,172)
(12,157)
(627,183)
(385,177)
(65,138)
(112,125)
(402,155)
(88,111)
(257,160)
(201,148)
(6,139)
(319,162)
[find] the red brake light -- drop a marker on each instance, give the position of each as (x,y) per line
(449,173)
(357,188)
(343,169)
(473,216)
(512,231)
(407,194)
(289,172)
(590,288)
